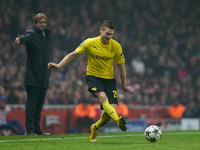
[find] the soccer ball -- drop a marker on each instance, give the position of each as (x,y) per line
(153,133)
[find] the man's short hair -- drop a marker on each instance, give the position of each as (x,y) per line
(39,16)
(109,24)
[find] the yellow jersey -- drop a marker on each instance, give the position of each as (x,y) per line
(101,57)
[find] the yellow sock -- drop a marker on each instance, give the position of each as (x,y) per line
(103,120)
(110,110)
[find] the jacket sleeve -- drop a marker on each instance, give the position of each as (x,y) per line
(24,39)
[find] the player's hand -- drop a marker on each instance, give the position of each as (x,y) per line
(17,40)
(53,65)
(126,88)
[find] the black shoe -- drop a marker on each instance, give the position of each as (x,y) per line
(41,133)
(30,133)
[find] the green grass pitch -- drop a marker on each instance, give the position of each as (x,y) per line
(170,140)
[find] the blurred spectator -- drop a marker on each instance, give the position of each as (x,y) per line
(85,114)
(138,100)
(138,65)
(122,109)
(155,110)
(182,71)
(51,97)
(13,97)
(176,110)
(191,111)
(13,125)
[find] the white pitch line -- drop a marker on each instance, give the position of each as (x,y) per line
(44,139)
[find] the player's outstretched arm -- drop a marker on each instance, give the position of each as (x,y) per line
(122,69)
(64,61)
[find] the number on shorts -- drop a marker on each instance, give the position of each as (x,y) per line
(115,93)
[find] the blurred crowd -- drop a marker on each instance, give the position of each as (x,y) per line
(160,40)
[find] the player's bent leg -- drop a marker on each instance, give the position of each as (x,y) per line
(110,110)
(121,122)
(103,120)
(94,127)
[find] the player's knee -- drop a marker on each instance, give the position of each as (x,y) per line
(102,96)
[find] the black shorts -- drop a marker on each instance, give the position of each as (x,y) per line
(106,85)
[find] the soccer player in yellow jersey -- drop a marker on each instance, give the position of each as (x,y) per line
(102,51)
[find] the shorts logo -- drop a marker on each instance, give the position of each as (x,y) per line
(94,89)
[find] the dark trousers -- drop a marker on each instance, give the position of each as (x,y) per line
(34,104)
(14,126)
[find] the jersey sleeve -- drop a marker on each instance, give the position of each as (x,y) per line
(83,47)
(119,56)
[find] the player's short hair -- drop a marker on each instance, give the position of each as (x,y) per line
(39,16)
(109,24)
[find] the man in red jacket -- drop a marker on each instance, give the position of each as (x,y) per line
(176,110)
(85,114)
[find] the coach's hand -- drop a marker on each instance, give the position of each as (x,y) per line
(17,40)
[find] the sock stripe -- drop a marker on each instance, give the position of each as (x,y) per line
(96,127)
